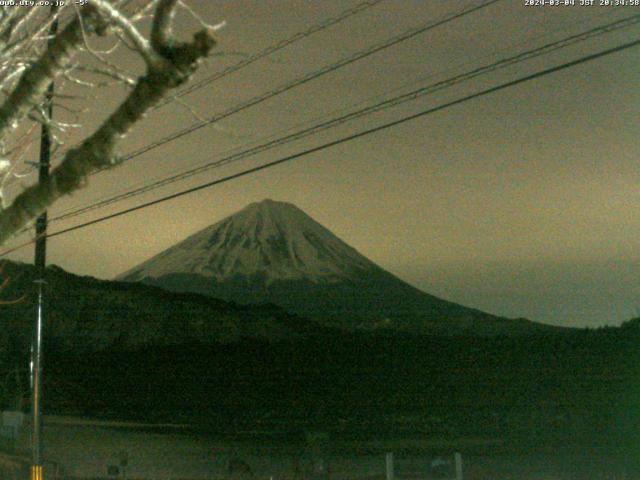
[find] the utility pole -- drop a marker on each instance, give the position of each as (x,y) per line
(40,264)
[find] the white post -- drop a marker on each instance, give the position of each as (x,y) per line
(458,461)
(389,463)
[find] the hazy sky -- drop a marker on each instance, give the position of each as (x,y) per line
(521,203)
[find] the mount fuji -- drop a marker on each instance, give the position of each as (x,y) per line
(273,252)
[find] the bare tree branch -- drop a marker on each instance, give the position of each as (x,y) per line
(172,65)
(141,44)
(37,77)
(161,28)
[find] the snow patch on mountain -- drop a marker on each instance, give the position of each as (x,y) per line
(268,240)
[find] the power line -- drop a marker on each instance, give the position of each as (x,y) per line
(144,186)
(270,50)
(305,79)
(392,102)
(344,139)
(273,49)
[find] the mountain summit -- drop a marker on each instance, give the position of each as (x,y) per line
(266,242)
(273,252)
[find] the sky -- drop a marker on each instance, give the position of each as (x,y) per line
(522,203)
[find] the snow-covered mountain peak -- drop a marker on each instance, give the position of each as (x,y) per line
(266,241)
(273,252)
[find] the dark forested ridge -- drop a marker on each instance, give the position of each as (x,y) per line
(118,350)
(84,313)
(87,314)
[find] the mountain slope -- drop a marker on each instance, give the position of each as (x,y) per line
(270,241)
(274,252)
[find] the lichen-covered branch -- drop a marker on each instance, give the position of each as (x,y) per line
(161,27)
(176,61)
(140,43)
(36,78)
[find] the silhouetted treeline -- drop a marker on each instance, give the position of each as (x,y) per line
(582,384)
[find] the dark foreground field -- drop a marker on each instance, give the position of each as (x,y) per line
(547,407)
(564,388)
(83,448)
